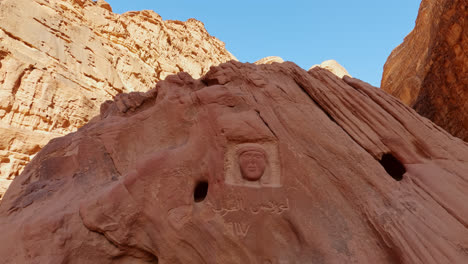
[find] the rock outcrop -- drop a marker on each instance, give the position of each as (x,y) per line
(334,67)
(249,164)
(269,60)
(429,70)
(59,60)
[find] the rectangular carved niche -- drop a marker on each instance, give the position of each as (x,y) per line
(253,165)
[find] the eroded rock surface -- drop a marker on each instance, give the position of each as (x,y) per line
(429,70)
(269,60)
(59,60)
(249,164)
(334,67)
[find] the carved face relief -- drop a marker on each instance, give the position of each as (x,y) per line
(252,163)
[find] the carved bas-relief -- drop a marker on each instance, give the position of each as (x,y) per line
(252,162)
(253,165)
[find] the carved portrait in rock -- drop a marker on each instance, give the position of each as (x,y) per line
(252,162)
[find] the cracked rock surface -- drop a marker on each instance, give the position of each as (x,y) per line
(348,174)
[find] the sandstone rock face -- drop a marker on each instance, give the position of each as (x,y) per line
(59,60)
(269,60)
(334,67)
(429,70)
(249,164)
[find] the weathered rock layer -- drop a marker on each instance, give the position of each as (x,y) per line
(429,70)
(269,60)
(249,164)
(59,60)
(334,67)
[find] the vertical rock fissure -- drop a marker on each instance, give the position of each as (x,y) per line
(266,123)
(18,82)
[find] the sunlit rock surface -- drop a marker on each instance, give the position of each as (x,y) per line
(429,70)
(249,164)
(334,67)
(59,60)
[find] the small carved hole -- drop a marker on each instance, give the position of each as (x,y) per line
(393,166)
(200,192)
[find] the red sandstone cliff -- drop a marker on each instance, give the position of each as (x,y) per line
(59,60)
(429,70)
(249,164)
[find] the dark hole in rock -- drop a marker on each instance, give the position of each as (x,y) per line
(201,189)
(393,166)
(66,124)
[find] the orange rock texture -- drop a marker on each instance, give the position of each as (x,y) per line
(429,70)
(60,59)
(249,164)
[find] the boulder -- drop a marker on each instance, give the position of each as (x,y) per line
(248,164)
(270,60)
(334,67)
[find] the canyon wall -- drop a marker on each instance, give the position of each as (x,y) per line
(429,70)
(60,59)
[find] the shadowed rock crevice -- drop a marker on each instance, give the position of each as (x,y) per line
(200,191)
(266,123)
(392,166)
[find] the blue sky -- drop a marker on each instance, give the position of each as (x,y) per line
(359,34)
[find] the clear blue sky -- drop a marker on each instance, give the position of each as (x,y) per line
(359,34)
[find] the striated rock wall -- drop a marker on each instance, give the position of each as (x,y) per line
(59,60)
(429,70)
(249,164)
